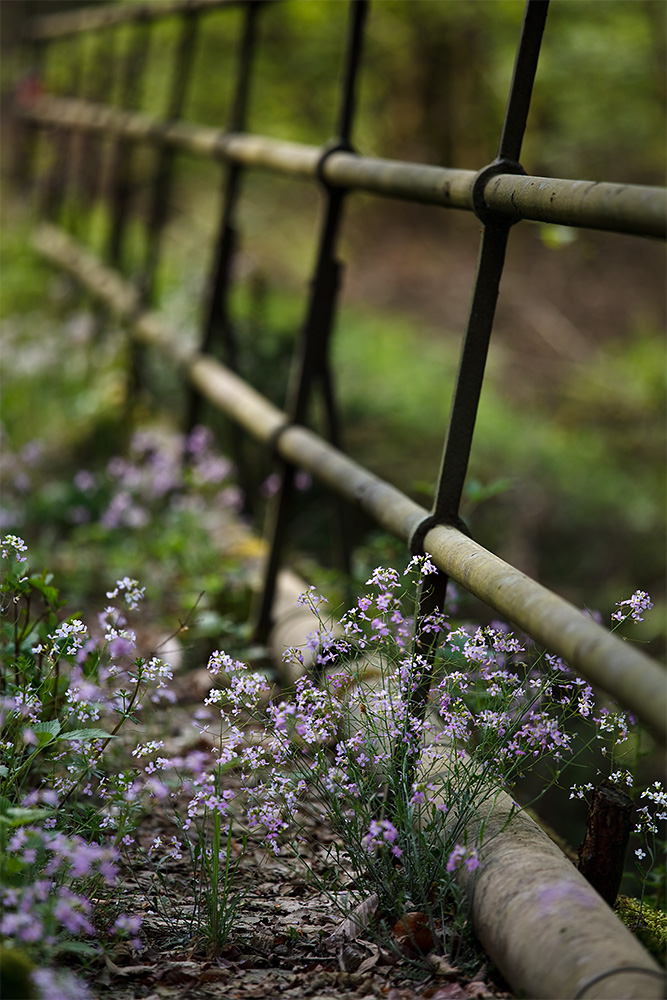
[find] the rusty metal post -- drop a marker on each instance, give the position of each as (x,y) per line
(217,327)
(602,852)
(311,362)
(480,322)
(61,167)
(161,190)
(120,166)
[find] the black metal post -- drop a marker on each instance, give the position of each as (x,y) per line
(160,192)
(63,144)
(94,177)
(120,167)
(26,91)
(311,362)
(217,325)
(163,179)
(475,346)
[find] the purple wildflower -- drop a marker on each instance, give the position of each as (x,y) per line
(467,856)
(382,833)
(636,606)
(12,546)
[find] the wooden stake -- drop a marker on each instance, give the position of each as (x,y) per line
(602,853)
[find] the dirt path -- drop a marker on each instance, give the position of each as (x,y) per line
(282,943)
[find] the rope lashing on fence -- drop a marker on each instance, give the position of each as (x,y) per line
(624,208)
(627,970)
(635,680)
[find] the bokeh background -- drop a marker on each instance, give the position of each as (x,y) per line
(567,471)
(567,477)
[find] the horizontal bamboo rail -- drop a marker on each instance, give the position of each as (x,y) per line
(619,668)
(527,894)
(624,208)
(71,22)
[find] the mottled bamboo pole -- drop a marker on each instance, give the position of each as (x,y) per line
(96,16)
(541,923)
(623,208)
(619,668)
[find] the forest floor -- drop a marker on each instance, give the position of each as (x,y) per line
(288,936)
(283,942)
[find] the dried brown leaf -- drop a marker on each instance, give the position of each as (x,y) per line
(450,992)
(358,920)
(441,967)
(178,972)
(413,934)
(131,970)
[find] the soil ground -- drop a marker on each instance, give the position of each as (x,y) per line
(288,938)
(283,944)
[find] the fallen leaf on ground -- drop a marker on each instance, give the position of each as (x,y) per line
(450,992)
(441,967)
(413,934)
(358,920)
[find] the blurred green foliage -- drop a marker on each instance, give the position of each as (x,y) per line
(434,81)
(568,481)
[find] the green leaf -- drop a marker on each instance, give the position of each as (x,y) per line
(50,593)
(87,734)
(46,732)
(228,765)
(13,871)
(555,237)
(75,948)
(477,492)
(20,816)
(53,727)
(43,739)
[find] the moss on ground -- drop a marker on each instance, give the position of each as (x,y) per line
(649,924)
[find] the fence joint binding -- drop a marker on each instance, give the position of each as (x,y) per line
(485,214)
